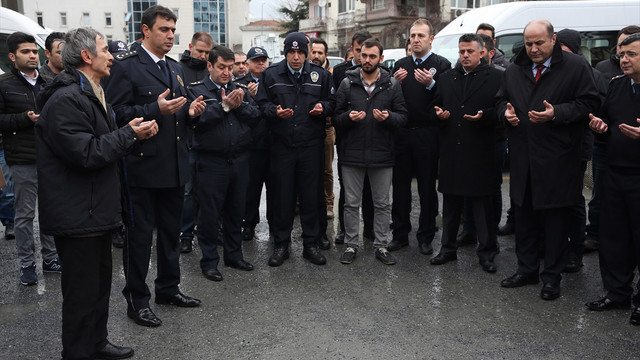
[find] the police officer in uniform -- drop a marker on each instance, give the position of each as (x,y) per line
(295,97)
(146,83)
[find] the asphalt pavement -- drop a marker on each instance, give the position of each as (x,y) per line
(365,310)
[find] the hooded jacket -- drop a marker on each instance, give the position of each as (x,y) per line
(79,149)
(368,142)
(194,69)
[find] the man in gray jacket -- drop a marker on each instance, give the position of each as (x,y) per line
(370,107)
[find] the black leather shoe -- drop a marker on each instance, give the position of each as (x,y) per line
(396,244)
(279,256)
(144,317)
(444,258)
(248,233)
(186,245)
(488,266)
(517,280)
(506,229)
(339,238)
(635,317)
(425,248)
(179,299)
(550,291)
(324,243)
(574,263)
(369,234)
(606,304)
(465,239)
(113,352)
(313,255)
(240,265)
(212,274)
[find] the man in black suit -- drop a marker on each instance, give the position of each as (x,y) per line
(546,96)
(146,83)
(620,240)
(417,144)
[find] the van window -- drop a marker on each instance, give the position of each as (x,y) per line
(5,62)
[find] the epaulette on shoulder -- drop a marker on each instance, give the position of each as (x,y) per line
(170,58)
(196,83)
(126,55)
(318,66)
(239,84)
(617,77)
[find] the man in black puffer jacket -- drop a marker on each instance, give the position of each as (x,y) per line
(79,146)
(18,114)
(369,109)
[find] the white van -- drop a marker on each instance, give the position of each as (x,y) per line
(10,22)
(598,22)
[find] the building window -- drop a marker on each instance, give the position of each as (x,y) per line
(176,39)
(377,5)
(107,19)
(136,8)
(86,20)
(346,5)
(319,12)
(109,38)
(63,19)
(210,16)
(177,12)
(39,19)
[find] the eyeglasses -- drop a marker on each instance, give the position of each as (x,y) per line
(629,54)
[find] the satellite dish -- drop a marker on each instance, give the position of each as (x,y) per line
(322,3)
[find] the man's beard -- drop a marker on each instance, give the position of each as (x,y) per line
(373,69)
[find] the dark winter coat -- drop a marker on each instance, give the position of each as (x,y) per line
(224,134)
(467,155)
(194,69)
(260,133)
(17,98)
(79,150)
(548,153)
(368,142)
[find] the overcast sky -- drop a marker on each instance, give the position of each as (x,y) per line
(270,8)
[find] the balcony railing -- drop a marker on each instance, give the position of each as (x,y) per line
(314,23)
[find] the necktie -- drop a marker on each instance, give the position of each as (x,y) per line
(539,72)
(296,74)
(636,89)
(165,71)
(418,61)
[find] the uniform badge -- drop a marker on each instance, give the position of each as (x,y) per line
(433,71)
(295,44)
(180,80)
(314,76)
(259,51)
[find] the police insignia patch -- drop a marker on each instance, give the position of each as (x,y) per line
(314,76)
(433,71)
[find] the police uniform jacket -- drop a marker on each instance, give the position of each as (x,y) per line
(259,133)
(225,134)
(368,142)
(132,89)
(467,155)
(549,152)
(79,148)
(279,87)
(621,106)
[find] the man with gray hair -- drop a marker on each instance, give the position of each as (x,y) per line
(79,147)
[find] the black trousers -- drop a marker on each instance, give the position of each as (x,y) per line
(548,225)
(222,189)
(162,209)
(258,175)
(296,172)
(86,287)
(619,245)
(482,208)
(417,153)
